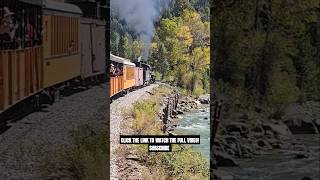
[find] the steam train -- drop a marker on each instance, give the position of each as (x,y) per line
(128,75)
(45,47)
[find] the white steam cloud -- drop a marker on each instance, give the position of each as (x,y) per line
(140,16)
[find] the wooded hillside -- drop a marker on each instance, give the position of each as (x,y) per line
(266,53)
(180,50)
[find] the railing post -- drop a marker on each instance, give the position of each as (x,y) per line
(216,118)
(214,128)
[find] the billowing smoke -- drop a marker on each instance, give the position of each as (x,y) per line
(140,16)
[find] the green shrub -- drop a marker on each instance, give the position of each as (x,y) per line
(282,93)
(86,160)
(157,76)
(145,115)
(182,163)
(198,91)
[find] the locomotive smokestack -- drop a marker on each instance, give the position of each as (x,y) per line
(140,16)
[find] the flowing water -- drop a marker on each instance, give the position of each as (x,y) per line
(197,123)
(276,165)
(281,165)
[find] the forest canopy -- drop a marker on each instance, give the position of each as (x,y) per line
(266,53)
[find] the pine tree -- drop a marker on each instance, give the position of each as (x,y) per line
(125,47)
(114,43)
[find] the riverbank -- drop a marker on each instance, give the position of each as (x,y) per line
(185,105)
(249,145)
(146,117)
(191,116)
(278,164)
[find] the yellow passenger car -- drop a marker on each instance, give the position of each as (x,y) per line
(61,42)
(121,82)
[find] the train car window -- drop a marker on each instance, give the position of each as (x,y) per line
(112,70)
(20,25)
(64,35)
(119,71)
(116,69)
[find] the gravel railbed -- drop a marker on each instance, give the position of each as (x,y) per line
(23,146)
(117,110)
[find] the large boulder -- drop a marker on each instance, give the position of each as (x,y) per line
(263,144)
(237,127)
(232,144)
(231,139)
(197,102)
(306,178)
(299,147)
(301,156)
(204,99)
(174,112)
(219,143)
(224,160)
(277,127)
(257,131)
(317,123)
(246,149)
(222,175)
(314,109)
(180,112)
(301,120)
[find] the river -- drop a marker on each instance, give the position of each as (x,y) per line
(276,165)
(281,165)
(196,122)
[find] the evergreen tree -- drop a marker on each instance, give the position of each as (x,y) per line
(114,43)
(125,47)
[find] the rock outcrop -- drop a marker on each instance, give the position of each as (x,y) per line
(303,119)
(204,99)
(247,138)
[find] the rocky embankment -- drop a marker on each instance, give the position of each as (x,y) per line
(303,119)
(246,137)
(174,105)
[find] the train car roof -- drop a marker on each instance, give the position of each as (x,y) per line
(121,60)
(66,8)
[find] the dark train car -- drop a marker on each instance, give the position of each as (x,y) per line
(146,73)
(138,74)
